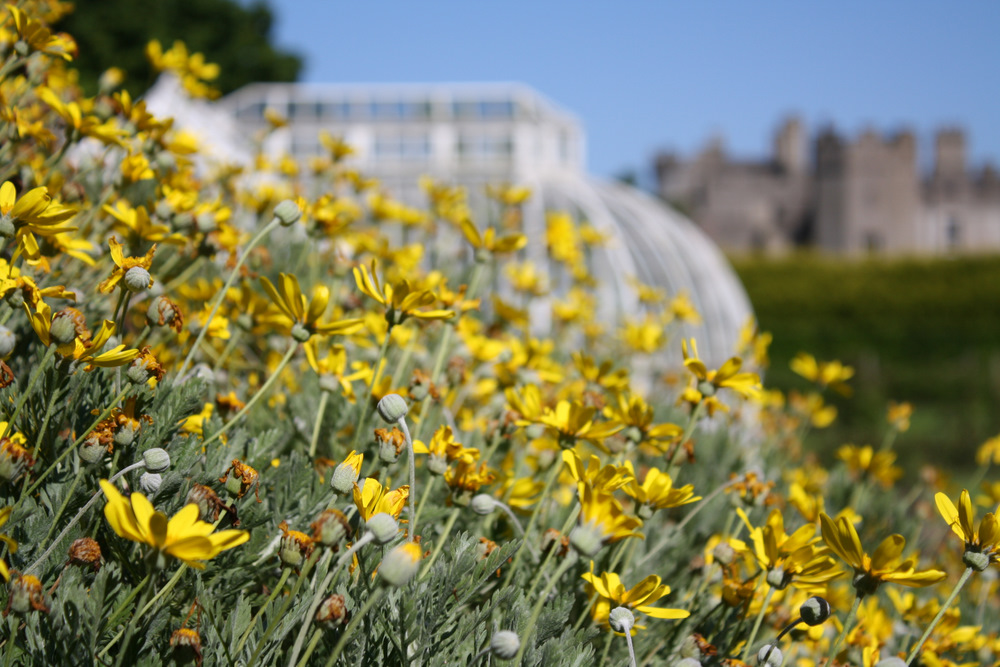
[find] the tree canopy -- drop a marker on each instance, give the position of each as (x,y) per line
(237,37)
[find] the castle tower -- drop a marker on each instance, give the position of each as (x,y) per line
(949,154)
(790,146)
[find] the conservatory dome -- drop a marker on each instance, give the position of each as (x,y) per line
(479,134)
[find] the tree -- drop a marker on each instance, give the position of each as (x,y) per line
(238,38)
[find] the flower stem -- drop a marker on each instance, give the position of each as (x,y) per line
(79,515)
(941,611)
(412,531)
(848,625)
(439,543)
(273,624)
(257,396)
(324,399)
(423,499)
(69,450)
(631,649)
(567,563)
(225,288)
(363,406)
(549,481)
(373,599)
(135,619)
(23,398)
(275,591)
(757,622)
(688,430)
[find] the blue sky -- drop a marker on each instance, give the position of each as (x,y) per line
(650,75)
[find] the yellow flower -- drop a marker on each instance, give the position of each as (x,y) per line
(865,460)
(604,479)
(507,194)
(33,212)
(885,563)
(790,559)
(465,479)
(82,347)
(401,300)
(443,446)
(985,542)
(636,416)
(10,542)
(989,452)
(572,422)
(40,38)
(602,520)
(728,376)
(80,123)
(183,536)
(899,415)
(488,243)
(832,374)
(332,368)
(657,492)
(372,498)
(135,226)
(123,264)
(303,318)
(196,423)
(640,598)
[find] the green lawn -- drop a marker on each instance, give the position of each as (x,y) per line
(925,331)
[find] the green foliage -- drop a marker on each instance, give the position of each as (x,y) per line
(925,331)
(236,36)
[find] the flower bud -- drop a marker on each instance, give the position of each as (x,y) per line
(815,610)
(7,230)
(87,552)
(400,564)
(383,527)
(778,578)
(505,644)
(332,612)
(724,553)
(621,619)
(392,408)
(149,482)
(63,329)
(206,222)
(586,540)
(707,389)
(137,279)
(287,212)
(7,341)
(483,504)
(330,528)
(770,655)
(156,459)
(344,476)
(689,648)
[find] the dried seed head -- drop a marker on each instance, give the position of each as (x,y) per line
(186,644)
(332,612)
(27,594)
(330,528)
(85,551)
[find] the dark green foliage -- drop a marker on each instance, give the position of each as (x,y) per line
(235,36)
(924,331)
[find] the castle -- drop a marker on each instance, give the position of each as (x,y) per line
(865,195)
